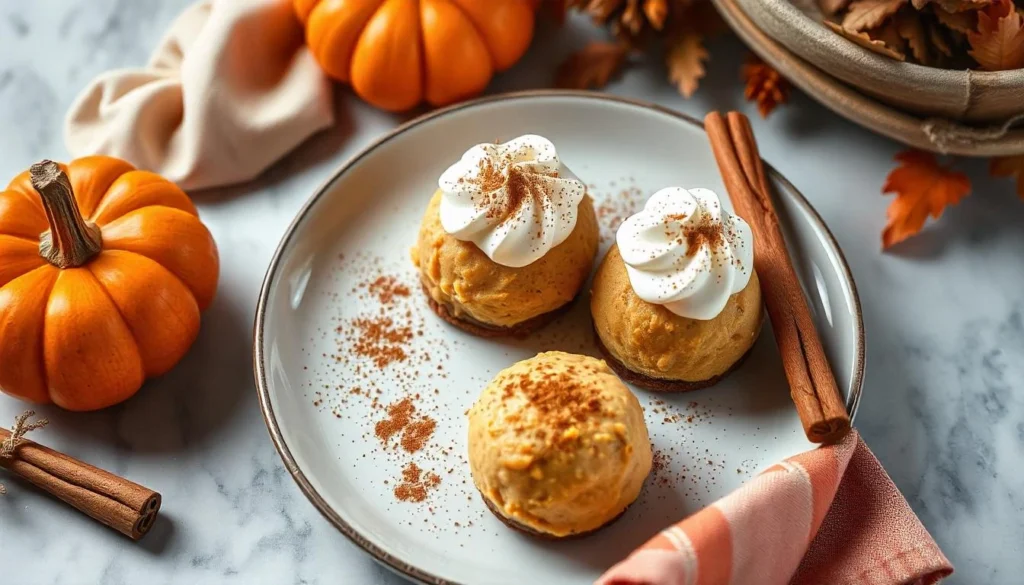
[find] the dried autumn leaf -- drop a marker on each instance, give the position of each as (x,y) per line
(1009,166)
(867,42)
(830,7)
(998,44)
(962,22)
(865,14)
(911,28)
(765,86)
(923,187)
(685,60)
(656,12)
(890,35)
(591,67)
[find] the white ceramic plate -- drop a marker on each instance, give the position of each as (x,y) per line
(710,441)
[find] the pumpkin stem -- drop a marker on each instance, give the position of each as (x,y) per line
(71,241)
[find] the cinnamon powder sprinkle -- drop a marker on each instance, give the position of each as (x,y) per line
(386,288)
(415,430)
(706,234)
(415,484)
(399,414)
(382,340)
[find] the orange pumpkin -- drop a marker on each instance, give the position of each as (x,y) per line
(397,53)
(103,272)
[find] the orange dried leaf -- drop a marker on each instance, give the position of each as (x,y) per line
(656,12)
(865,14)
(1009,166)
(998,44)
(962,22)
(765,86)
(591,67)
(685,60)
(923,187)
(867,42)
(911,28)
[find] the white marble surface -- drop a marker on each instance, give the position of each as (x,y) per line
(943,406)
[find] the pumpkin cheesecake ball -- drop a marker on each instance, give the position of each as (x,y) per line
(558,446)
(507,240)
(676,302)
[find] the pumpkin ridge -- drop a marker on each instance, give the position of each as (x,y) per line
(113,303)
(112,256)
(40,340)
(154,261)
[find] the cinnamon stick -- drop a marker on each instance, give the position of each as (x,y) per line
(812,385)
(119,503)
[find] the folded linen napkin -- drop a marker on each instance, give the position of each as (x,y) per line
(229,90)
(830,516)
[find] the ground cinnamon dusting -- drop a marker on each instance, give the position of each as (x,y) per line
(415,429)
(386,288)
(381,339)
(706,234)
(415,484)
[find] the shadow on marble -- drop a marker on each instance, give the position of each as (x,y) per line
(160,536)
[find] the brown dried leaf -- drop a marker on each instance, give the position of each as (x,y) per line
(685,60)
(998,44)
(911,29)
(888,34)
(591,67)
(830,7)
(1009,166)
(765,86)
(865,14)
(656,12)
(867,42)
(959,21)
(633,18)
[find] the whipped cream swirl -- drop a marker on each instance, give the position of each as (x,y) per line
(686,252)
(515,201)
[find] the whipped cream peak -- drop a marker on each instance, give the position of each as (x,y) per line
(686,252)
(515,200)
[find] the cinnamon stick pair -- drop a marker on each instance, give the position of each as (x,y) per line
(812,385)
(122,505)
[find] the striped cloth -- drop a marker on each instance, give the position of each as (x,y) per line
(830,516)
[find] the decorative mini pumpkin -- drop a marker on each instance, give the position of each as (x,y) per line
(397,53)
(92,306)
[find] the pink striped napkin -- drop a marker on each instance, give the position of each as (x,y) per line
(830,516)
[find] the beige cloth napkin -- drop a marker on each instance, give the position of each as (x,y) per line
(229,90)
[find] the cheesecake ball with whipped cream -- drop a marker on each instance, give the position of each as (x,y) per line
(676,302)
(508,238)
(558,446)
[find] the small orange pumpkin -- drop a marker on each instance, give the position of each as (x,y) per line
(397,53)
(103,272)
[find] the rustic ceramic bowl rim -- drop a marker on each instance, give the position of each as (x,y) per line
(397,565)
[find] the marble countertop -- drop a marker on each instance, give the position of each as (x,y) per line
(943,404)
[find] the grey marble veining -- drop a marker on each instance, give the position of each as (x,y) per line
(943,404)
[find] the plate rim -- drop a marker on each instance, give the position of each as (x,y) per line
(259,371)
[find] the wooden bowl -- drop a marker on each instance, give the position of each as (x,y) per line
(963,95)
(918,131)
